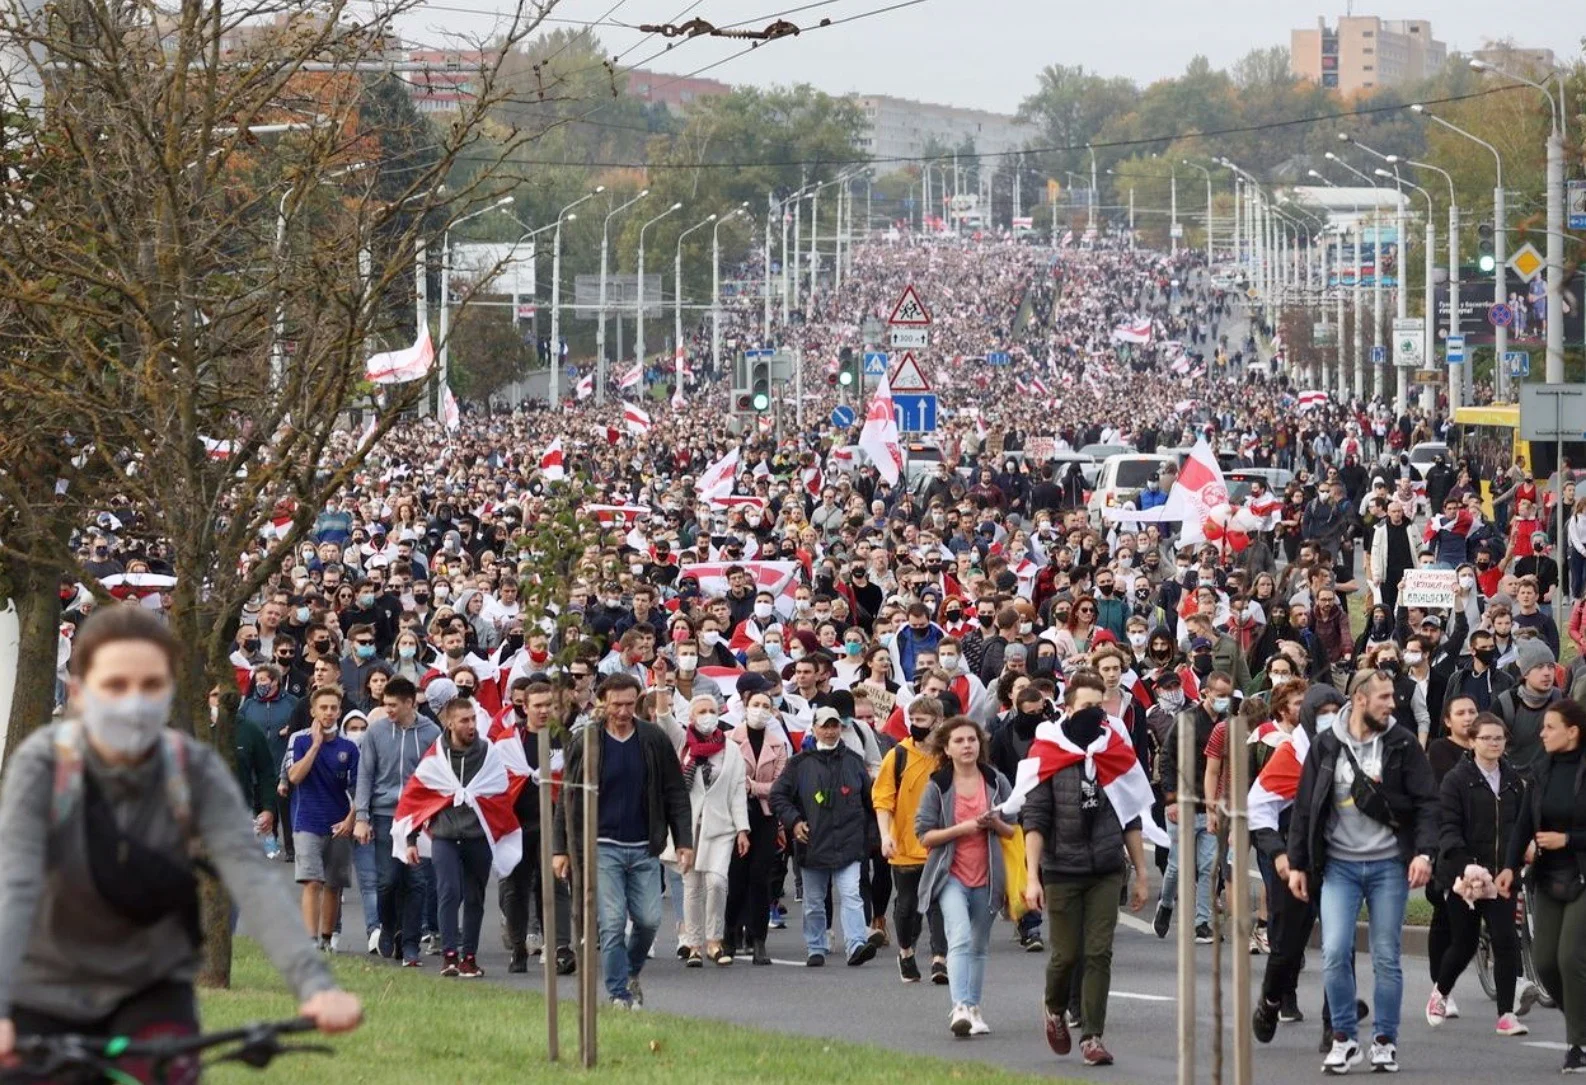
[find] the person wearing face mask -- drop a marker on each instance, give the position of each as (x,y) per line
(271,712)
(1480,679)
(1216,701)
(765,751)
(895,796)
(355,728)
(1365,825)
(1522,708)
(366,610)
(714,771)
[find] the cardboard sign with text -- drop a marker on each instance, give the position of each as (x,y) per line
(1429,588)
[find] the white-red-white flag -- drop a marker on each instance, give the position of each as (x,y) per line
(637,421)
(434,787)
(450,415)
(780,578)
(631,378)
(1110,761)
(585,386)
(553,464)
(1137,331)
(401,366)
(716,480)
(879,438)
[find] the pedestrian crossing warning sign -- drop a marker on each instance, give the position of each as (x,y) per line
(910,310)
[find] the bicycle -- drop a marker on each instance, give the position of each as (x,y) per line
(75,1059)
(1522,923)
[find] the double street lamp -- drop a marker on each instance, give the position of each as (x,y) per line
(600,329)
(556,292)
(638,330)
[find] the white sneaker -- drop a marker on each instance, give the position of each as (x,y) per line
(960,1023)
(1530,994)
(1345,1053)
(1450,1009)
(374,940)
(335,943)
(1510,1025)
(1384,1057)
(1436,1009)
(977,1023)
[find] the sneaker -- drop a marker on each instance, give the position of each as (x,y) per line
(1264,1021)
(430,944)
(1162,920)
(1071,1018)
(374,940)
(469,968)
(1436,1009)
(412,962)
(333,943)
(815,960)
(977,1023)
(449,963)
(1343,1054)
(635,992)
(621,1003)
(778,918)
(1449,1009)
(960,1024)
(535,943)
(1510,1025)
(1031,941)
(1057,1037)
(1203,934)
(519,963)
(1384,1056)
(1574,1061)
(1258,942)
(908,970)
(1289,1009)
(865,952)
(939,973)
(1094,1054)
(566,961)
(1530,995)
(877,938)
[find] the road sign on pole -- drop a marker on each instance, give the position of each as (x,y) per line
(1379,355)
(1409,342)
(1500,316)
(1456,350)
(998,357)
(843,416)
(1517,363)
(905,338)
(909,311)
(915,412)
(875,363)
(1527,262)
(907,376)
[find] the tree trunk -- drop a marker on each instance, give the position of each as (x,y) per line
(36,593)
(214,970)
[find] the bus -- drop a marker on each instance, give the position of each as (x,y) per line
(1490,438)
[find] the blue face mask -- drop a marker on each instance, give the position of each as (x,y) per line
(365,651)
(303,615)
(1220,705)
(853,648)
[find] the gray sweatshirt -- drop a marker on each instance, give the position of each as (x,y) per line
(67,953)
(1353,835)
(386,760)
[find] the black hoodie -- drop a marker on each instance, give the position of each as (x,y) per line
(1318,699)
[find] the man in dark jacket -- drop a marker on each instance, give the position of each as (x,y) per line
(521,894)
(642,797)
(1480,678)
(272,712)
(1215,704)
(822,800)
(1074,851)
(1365,825)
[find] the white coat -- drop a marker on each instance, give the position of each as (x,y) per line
(720,811)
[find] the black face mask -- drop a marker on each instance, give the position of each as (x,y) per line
(250,645)
(987,619)
(919,734)
(1084,727)
(1105,589)
(1390,666)
(1486,656)
(1203,664)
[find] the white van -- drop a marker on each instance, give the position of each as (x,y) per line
(1121,479)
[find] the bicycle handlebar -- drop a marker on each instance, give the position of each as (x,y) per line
(43,1057)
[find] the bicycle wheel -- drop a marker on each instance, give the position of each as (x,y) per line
(1484,966)
(1528,966)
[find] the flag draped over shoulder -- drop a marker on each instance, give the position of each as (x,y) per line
(1110,761)
(490,795)
(1278,782)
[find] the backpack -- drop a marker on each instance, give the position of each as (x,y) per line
(67,791)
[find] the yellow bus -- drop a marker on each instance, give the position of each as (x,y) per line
(1490,438)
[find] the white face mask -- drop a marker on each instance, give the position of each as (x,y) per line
(1467,582)
(710,638)
(1137,641)
(757,717)
(1413,659)
(819,745)
(1325,721)
(355,737)
(128,725)
(762,611)
(687,664)
(1026,628)
(949,662)
(796,652)
(706,722)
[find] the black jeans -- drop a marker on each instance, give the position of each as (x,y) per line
(462,869)
(876,887)
(749,879)
(906,917)
(1439,936)
(521,897)
(166,1009)
(1464,922)
(1288,932)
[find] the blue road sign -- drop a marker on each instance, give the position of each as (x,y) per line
(1500,316)
(1456,350)
(875,363)
(1379,355)
(1575,204)
(1517,362)
(843,416)
(998,357)
(915,411)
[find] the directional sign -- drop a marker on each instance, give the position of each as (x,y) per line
(1575,204)
(1500,316)
(907,376)
(843,416)
(1409,342)
(905,338)
(1379,355)
(998,357)
(909,311)
(1517,363)
(1456,350)
(1527,262)
(915,412)
(875,363)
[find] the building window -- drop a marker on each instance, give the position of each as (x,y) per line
(1368,67)
(1368,33)
(644,88)
(686,96)
(1368,50)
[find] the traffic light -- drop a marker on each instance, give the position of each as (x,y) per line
(845,367)
(760,385)
(1484,253)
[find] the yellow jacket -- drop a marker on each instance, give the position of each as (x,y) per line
(901,798)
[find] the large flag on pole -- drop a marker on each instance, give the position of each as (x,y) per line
(879,438)
(553,464)
(716,480)
(401,366)
(449,412)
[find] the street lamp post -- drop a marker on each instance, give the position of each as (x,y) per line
(1091,223)
(1210,250)
(1360,301)
(1555,216)
(1379,377)
(677,296)
(556,292)
(1458,372)
(638,319)
(1500,248)
(446,284)
(1428,301)
(600,328)
(715,283)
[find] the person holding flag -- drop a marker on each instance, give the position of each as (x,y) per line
(1085,803)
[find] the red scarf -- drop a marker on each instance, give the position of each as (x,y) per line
(698,749)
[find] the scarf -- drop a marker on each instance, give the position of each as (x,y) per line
(698,750)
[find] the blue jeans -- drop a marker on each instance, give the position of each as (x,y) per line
(967,915)
(462,870)
(1205,860)
(400,891)
(844,881)
(365,864)
(1384,887)
(629,884)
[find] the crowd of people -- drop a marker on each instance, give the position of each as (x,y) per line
(808,685)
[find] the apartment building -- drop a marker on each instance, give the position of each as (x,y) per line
(897,128)
(1363,52)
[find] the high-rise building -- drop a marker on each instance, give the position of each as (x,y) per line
(897,128)
(1364,52)
(676,92)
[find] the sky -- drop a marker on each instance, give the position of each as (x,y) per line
(986,54)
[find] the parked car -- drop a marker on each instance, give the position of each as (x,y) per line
(1121,478)
(1423,455)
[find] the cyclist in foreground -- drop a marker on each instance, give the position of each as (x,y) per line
(102,816)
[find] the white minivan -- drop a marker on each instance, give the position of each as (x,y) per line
(1121,479)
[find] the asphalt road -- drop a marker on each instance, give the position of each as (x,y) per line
(870,1005)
